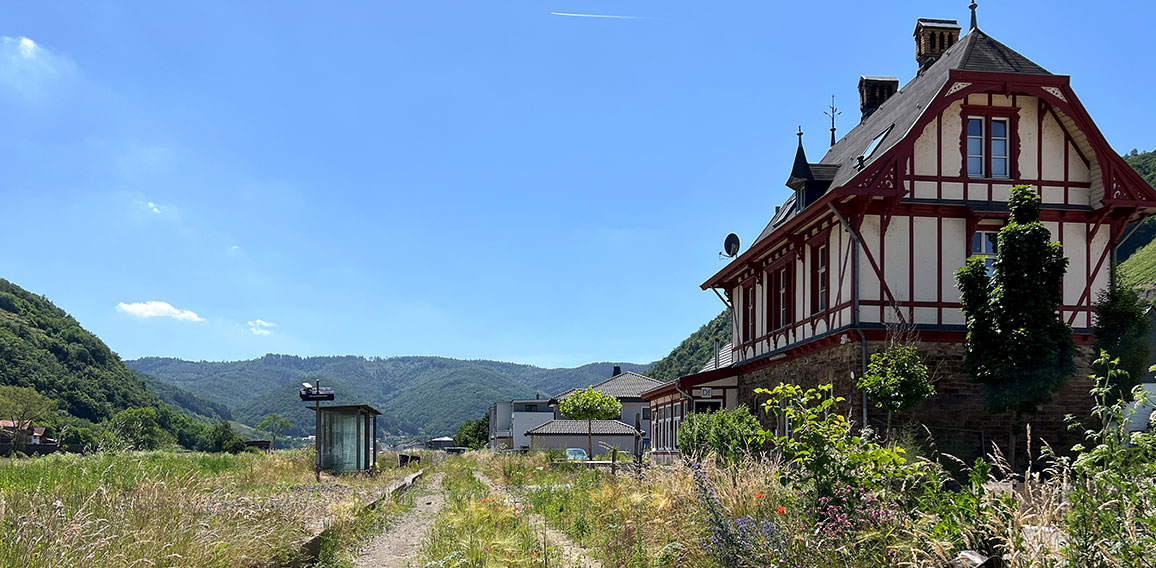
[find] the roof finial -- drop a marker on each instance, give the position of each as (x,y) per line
(973,6)
(832,113)
(800,135)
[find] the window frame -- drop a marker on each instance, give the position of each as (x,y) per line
(985,233)
(779,292)
(989,114)
(820,247)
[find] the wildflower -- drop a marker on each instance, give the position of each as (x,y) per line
(760,495)
(782,509)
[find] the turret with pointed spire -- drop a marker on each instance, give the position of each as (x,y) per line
(973,6)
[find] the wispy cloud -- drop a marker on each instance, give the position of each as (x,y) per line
(261,327)
(608,16)
(30,71)
(153,207)
(155,309)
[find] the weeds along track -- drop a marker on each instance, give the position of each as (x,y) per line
(572,553)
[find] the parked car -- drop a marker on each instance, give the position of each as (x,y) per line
(576,454)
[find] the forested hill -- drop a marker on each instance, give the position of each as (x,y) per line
(694,351)
(426,396)
(44,348)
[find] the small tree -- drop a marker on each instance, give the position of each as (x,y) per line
(474,434)
(22,406)
(138,429)
(274,424)
(896,380)
(1122,330)
(1016,345)
(590,405)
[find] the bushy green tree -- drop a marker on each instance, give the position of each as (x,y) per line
(590,405)
(474,434)
(225,439)
(274,424)
(728,434)
(1122,330)
(1016,345)
(896,379)
(137,429)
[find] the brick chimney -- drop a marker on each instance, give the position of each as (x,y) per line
(932,38)
(873,91)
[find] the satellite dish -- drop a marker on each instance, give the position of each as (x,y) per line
(731,245)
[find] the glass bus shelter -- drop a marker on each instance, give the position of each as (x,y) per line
(347,437)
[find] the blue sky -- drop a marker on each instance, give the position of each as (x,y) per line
(474,179)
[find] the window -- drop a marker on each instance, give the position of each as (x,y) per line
(975,147)
(988,140)
(748,312)
(985,244)
(778,299)
(646,413)
(783,298)
(819,279)
(999,148)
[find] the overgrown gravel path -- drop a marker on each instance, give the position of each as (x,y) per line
(400,544)
(573,554)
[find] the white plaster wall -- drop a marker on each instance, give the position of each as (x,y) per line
(1053,137)
(952,128)
(1077,171)
(630,410)
(1075,248)
(897,259)
(1052,194)
(926,256)
(925,163)
(954,255)
(868,281)
(524,422)
(1029,137)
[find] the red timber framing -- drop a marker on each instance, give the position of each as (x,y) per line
(886,188)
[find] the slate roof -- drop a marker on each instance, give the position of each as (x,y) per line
(725,354)
(625,385)
(575,427)
(975,51)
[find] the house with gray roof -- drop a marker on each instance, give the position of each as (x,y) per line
(872,233)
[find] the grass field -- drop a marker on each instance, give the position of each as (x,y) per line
(179,509)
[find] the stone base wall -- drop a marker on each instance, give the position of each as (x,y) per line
(955,416)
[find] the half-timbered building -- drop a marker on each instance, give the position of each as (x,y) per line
(873,232)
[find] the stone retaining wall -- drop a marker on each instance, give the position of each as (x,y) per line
(955,415)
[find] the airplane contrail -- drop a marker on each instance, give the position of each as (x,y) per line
(599,16)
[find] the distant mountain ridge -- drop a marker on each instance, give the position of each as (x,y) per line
(424,396)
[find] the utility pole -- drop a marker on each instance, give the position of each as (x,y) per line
(317,434)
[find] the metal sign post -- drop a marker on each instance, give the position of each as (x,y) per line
(318,394)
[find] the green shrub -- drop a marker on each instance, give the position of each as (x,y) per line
(728,434)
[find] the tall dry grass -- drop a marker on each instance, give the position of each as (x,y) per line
(167,509)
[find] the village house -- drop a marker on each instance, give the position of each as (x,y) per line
(509,422)
(34,439)
(872,234)
(538,423)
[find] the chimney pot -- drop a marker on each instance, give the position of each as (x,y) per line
(874,91)
(932,38)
